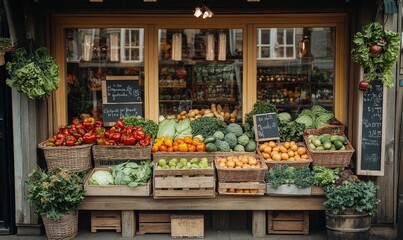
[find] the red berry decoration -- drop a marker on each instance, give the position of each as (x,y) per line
(363,85)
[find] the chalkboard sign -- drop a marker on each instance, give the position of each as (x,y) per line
(370,152)
(113,111)
(116,91)
(266,127)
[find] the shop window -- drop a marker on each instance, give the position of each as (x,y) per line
(295,67)
(198,68)
(276,43)
(104,72)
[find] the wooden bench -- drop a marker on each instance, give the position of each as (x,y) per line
(258,205)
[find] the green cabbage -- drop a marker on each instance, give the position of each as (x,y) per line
(167,128)
(284,117)
(102,178)
(132,174)
(183,129)
(306,120)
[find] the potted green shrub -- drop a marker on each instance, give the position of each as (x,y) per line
(36,74)
(56,195)
(377,51)
(5,46)
(349,206)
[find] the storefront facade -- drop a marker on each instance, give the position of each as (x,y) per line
(310,65)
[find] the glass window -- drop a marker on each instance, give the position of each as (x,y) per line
(299,70)
(105,72)
(198,68)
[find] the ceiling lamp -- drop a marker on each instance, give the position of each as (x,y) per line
(203,11)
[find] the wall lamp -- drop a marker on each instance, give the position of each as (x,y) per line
(203,11)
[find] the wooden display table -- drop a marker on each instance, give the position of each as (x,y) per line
(258,205)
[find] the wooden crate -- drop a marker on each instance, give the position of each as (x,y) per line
(115,190)
(259,186)
(187,226)
(288,222)
(106,220)
(154,222)
(107,155)
(183,183)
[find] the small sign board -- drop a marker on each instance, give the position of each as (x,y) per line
(111,112)
(116,89)
(370,149)
(266,127)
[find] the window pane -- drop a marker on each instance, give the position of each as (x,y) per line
(198,68)
(300,74)
(104,70)
(265,37)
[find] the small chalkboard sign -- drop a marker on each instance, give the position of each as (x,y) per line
(119,89)
(266,127)
(113,111)
(370,150)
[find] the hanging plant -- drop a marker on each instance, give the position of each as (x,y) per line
(377,52)
(36,75)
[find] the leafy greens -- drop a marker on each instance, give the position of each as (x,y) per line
(132,174)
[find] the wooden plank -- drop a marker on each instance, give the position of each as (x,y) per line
(288,222)
(288,225)
(128,224)
(259,187)
(154,228)
(288,215)
(187,226)
(154,217)
(126,77)
(259,224)
(197,193)
(220,202)
(184,182)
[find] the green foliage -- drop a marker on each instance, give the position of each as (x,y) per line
(55,193)
(358,195)
(234,128)
(132,174)
(377,66)
(231,139)
(36,75)
(149,126)
(323,176)
(5,44)
(316,117)
(284,116)
(284,174)
(207,126)
(291,131)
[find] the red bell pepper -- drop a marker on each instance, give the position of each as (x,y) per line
(89,123)
(99,132)
(101,141)
(98,123)
(120,124)
(144,142)
(89,138)
(75,121)
(148,136)
(59,141)
(129,130)
(128,140)
(139,135)
(115,137)
(70,141)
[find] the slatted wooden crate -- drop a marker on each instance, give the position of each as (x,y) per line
(183,183)
(288,222)
(258,188)
(154,222)
(187,226)
(106,220)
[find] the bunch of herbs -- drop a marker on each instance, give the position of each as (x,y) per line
(207,126)
(284,174)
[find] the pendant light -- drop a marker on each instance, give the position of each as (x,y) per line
(176,46)
(222,47)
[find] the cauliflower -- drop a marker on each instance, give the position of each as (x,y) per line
(234,128)
(231,139)
(219,135)
(243,140)
(239,148)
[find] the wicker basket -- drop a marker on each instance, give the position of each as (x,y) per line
(329,158)
(241,174)
(293,163)
(64,228)
(75,158)
(106,154)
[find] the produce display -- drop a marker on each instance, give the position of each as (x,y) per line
(215,111)
(121,134)
(184,163)
(207,126)
(284,151)
(186,144)
(241,161)
(128,173)
(230,139)
(284,174)
(328,142)
(316,117)
(149,126)
(232,190)
(290,130)
(173,129)
(323,176)
(259,107)
(79,132)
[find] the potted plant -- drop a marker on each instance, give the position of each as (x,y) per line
(377,51)
(56,195)
(286,180)
(36,74)
(349,205)
(5,46)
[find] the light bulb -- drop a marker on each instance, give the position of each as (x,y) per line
(198,12)
(206,14)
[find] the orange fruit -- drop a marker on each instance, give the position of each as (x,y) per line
(168,142)
(267,149)
(183,147)
(201,147)
(265,155)
(272,144)
(175,148)
(276,157)
(188,140)
(179,140)
(291,153)
(192,148)
(154,148)
(301,151)
(294,147)
(163,148)
(286,145)
(170,149)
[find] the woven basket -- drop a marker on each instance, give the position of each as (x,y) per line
(329,158)
(75,158)
(291,163)
(64,228)
(241,174)
(106,154)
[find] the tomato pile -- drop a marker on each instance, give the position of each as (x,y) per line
(120,134)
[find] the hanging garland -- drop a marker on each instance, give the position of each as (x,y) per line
(377,52)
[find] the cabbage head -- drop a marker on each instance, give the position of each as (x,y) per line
(101,178)
(306,120)
(284,117)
